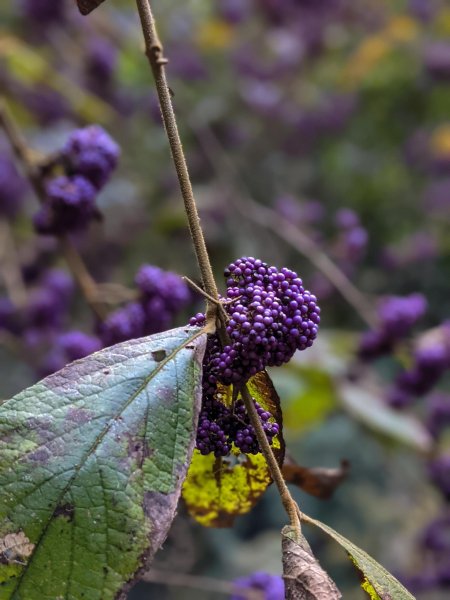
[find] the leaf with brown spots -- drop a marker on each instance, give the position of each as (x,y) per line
(216,491)
(92,460)
(316,481)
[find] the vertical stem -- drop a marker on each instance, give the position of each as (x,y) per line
(154,52)
(289,503)
(215,311)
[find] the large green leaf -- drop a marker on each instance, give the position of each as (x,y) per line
(92,460)
(376,580)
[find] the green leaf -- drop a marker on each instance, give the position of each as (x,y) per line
(377,581)
(370,410)
(92,460)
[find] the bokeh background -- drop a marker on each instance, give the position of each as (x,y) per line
(317,133)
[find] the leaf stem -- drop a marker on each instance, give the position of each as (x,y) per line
(155,55)
(33,173)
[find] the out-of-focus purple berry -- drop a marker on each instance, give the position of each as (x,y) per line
(399,314)
(76,344)
(12,188)
(272,586)
(60,283)
(101,61)
(170,287)
(9,317)
(123,324)
(43,11)
(436,536)
(46,104)
(439,473)
(70,206)
(346,218)
(437,60)
(438,413)
(430,363)
(234,11)
(92,153)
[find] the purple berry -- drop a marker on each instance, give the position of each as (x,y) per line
(272,586)
(92,153)
(70,206)
(76,344)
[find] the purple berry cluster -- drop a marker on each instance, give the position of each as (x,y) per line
(162,294)
(271,586)
(397,316)
(89,157)
(271,315)
(220,427)
(430,362)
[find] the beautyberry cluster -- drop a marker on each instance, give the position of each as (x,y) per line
(271,315)
(162,294)
(397,315)
(219,427)
(270,586)
(430,362)
(89,158)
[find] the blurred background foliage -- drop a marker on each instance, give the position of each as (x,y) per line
(298,108)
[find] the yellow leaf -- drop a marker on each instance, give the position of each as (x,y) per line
(217,490)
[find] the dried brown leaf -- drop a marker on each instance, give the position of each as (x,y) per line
(87,6)
(303,576)
(317,481)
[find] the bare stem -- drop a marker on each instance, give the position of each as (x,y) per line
(10,266)
(74,260)
(155,55)
(293,235)
(289,503)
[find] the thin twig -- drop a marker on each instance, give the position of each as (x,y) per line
(289,503)
(10,266)
(32,171)
(155,55)
(282,227)
(215,312)
(197,582)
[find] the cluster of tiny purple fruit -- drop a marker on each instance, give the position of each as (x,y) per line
(271,315)
(89,157)
(220,426)
(162,295)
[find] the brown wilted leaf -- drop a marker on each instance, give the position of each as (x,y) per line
(316,481)
(87,6)
(303,576)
